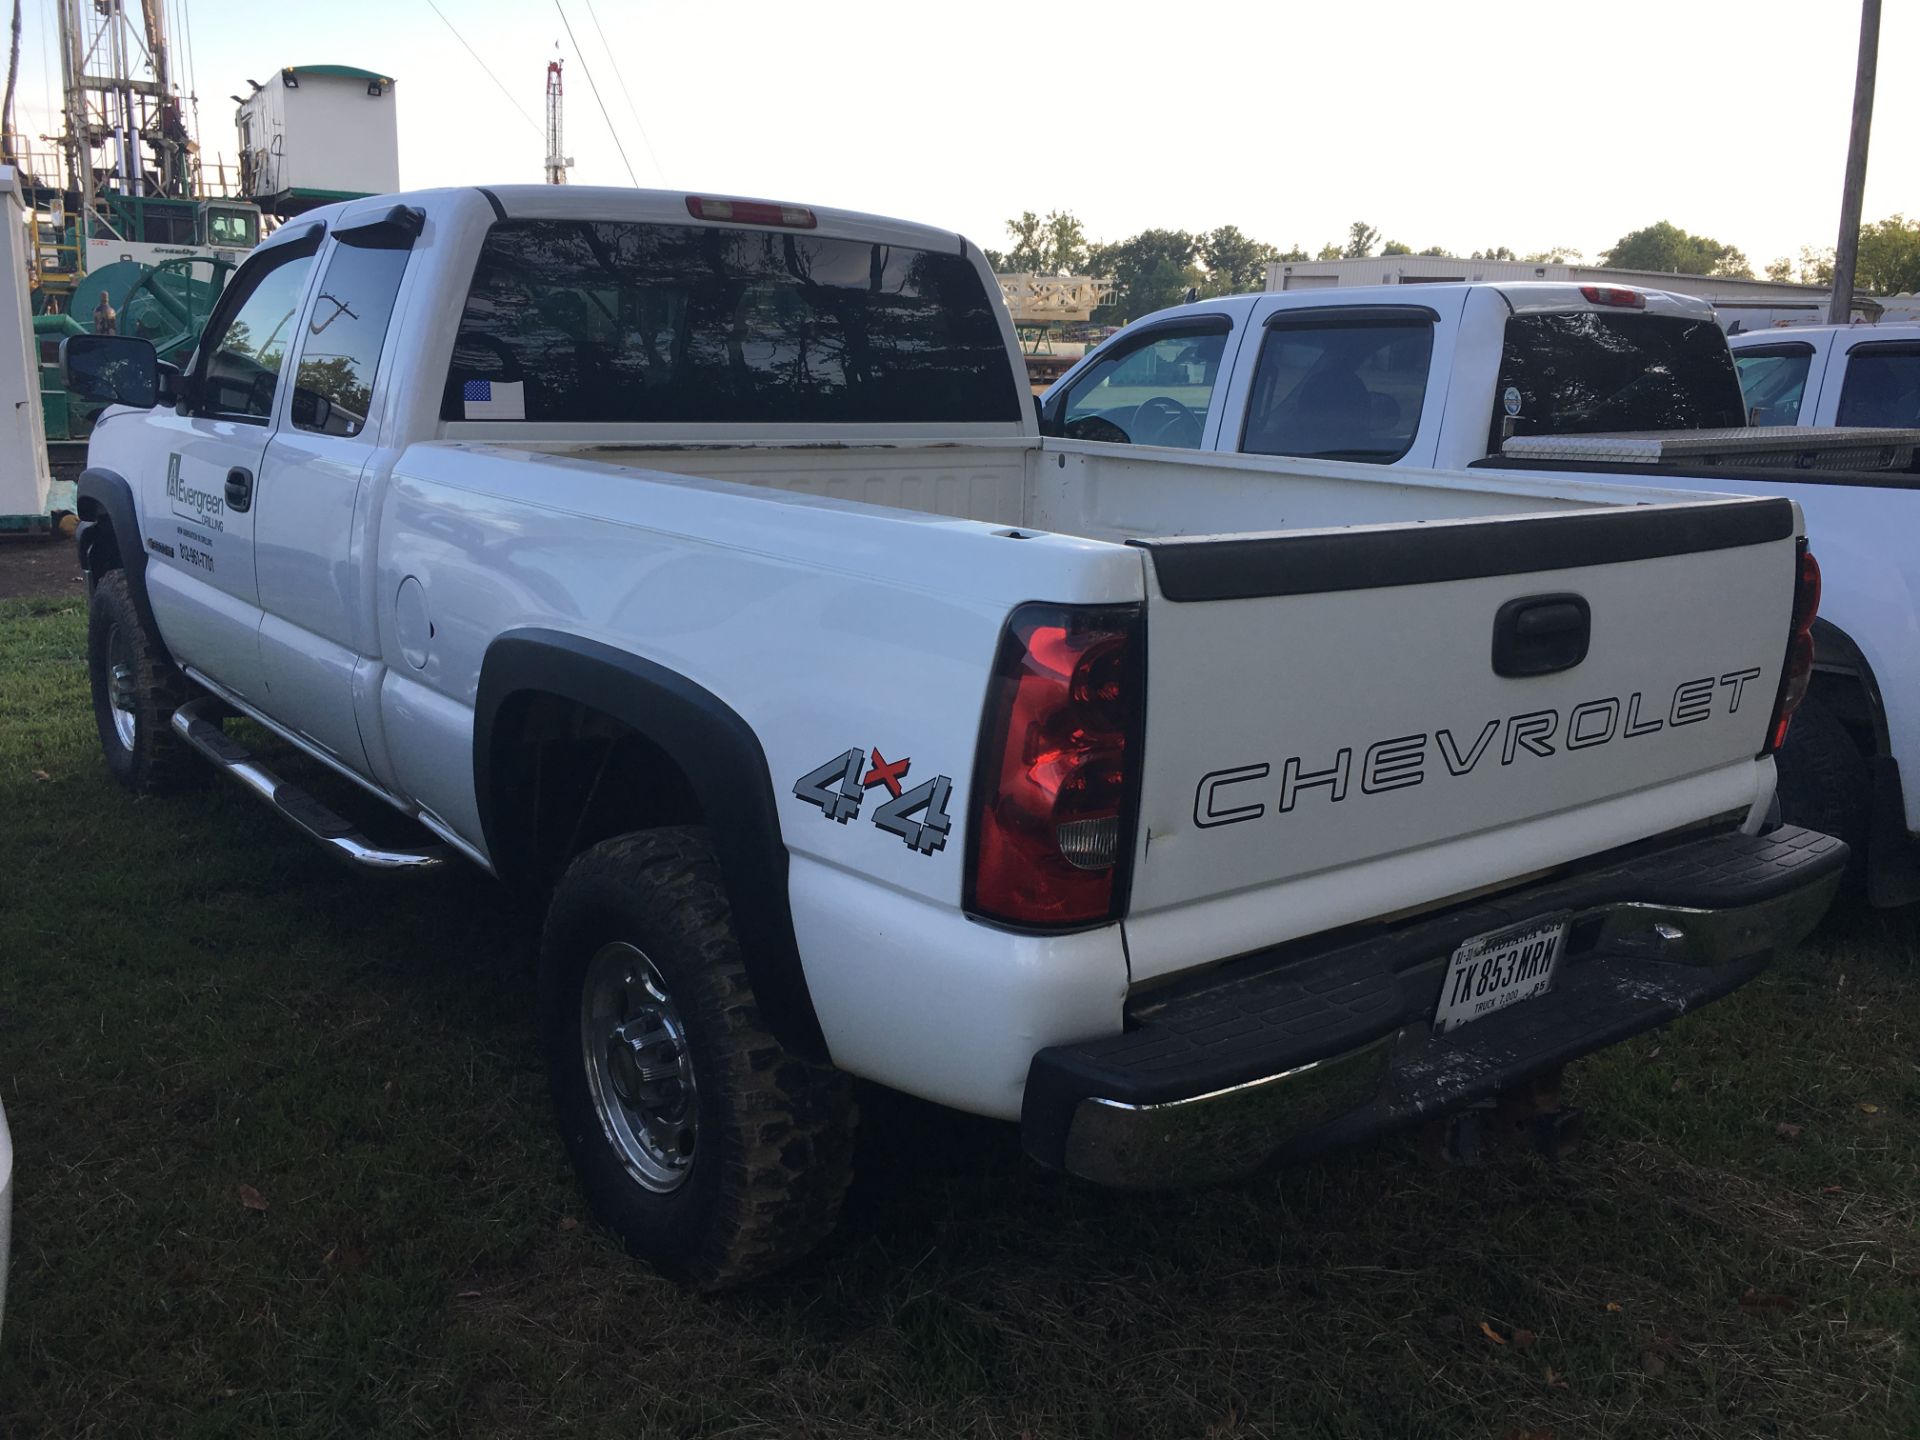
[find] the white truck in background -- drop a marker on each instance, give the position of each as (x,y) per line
(1856,745)
(696,566)
(1609,384)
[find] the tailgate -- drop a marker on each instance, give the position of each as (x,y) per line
(1328,739)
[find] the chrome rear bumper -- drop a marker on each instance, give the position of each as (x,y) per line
(1276,1057)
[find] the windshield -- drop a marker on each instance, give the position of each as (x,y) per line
(237,228)
(1585,372)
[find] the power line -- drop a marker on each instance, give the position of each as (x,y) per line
(596,96)
(632,109)
(483,65)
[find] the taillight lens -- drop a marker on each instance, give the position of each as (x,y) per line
(1054,789)
(1798,670)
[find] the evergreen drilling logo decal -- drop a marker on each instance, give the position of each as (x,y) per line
(203,507)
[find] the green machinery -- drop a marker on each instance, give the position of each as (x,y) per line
(167,304)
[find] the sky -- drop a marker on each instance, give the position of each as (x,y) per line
(1464,125)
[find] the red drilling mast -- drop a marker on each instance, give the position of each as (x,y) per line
(557,163)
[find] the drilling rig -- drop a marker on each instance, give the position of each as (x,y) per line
(557,163)
(127,182)
(124,224)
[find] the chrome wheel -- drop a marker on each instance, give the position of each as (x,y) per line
(121,694)
(639,1069)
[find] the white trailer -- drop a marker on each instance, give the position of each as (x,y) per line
(318,133)
(25,481)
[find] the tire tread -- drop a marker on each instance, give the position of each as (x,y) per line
(789,1124)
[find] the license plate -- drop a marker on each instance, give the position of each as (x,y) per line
(1498,969)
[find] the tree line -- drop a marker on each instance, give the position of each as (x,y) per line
(1158,268)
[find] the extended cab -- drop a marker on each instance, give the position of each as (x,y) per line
(1420,376)
(696,566)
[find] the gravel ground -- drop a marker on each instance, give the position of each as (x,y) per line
(33,567)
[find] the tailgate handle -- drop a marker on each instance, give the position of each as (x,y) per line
(1541,635)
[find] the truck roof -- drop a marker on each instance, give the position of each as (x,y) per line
(1522,295)
(1784,334)
(610,202)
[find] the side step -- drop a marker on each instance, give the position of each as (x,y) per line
(198,723)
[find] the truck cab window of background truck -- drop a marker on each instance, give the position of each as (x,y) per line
(1157,394)
(1774,381)
(1882,387)
(1581,373)
(1339,389)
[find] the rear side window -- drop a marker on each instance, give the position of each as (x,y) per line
(340,355)
(1882,387)
(1340,389)
(1773,379)
(1584,372)
(593,322)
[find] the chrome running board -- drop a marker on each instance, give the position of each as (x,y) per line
(198,723)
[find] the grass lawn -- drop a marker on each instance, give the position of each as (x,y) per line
(284,1167)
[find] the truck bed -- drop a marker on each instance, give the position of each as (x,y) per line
(1255,572)
(1095,492)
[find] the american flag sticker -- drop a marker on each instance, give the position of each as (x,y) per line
(494,399)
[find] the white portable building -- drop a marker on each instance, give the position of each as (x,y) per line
(318,133)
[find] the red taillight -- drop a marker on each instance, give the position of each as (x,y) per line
(1798,669)
(750,212)
(1614,295)
(1059,759)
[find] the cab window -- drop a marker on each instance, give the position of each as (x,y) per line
(340,352)
(1882,386)
(1774,379)
(247,343)
(1340,387)
(603,321)
(238,229)
(1153,394)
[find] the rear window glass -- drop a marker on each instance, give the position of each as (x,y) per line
(1340,390)
(1882,387)
(601,321)
(1773,381)
(1580,373)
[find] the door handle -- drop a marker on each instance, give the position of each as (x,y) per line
(239,489)
(1541,635)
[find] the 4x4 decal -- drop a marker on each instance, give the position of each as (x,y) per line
(839,787)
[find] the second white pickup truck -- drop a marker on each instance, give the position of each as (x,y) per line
(695,565)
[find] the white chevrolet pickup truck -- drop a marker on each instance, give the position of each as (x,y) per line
(696,566)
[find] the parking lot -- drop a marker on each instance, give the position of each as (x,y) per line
(285,1166)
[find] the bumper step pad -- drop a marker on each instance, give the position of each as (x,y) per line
(1651,937)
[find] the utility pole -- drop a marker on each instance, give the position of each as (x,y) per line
(1846,253)
(557,164)
(7,157)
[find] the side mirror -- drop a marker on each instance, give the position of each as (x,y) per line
(311,409)
(173,385)
(119,369)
